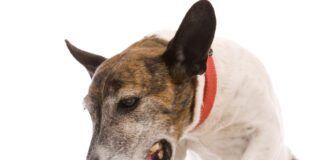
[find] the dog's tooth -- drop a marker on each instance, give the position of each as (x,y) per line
(160,154)
(156,147)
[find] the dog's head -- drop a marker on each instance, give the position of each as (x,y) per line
(142,99)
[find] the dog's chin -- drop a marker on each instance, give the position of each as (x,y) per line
(160,150)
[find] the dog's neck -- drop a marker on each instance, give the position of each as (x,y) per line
(209,91)
(205,95)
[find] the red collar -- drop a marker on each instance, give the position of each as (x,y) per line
(209,90)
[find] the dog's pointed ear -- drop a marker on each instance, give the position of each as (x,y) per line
(186,54)
(88,60)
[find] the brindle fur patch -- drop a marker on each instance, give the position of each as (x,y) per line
(164,107)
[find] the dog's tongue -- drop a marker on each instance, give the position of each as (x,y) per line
(149,157)
(152,157)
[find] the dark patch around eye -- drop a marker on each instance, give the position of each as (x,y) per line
(128,104)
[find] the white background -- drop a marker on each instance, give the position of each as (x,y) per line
(42,86)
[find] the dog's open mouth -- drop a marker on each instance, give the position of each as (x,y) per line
(161,150)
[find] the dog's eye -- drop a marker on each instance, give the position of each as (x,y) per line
(127,104)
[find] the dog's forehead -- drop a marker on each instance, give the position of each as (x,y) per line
(135,67)
(134,57)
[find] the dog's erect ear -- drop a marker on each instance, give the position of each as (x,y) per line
(88,60)
(187,53)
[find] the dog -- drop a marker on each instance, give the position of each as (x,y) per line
(169,93)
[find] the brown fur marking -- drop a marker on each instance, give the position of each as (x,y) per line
(164,107)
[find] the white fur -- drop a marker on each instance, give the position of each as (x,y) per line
(245,122)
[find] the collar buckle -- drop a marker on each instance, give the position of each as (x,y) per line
(210,52)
